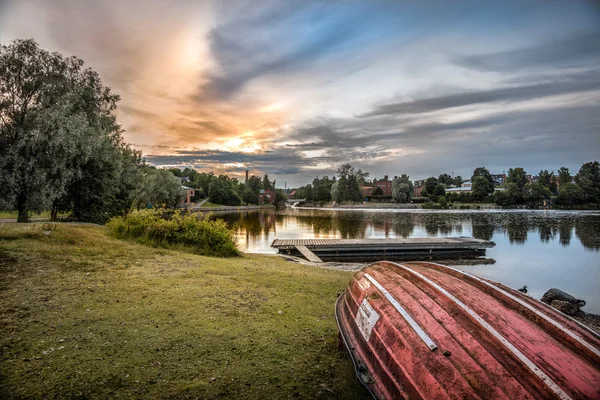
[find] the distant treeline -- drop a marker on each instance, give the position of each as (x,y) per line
(222,189)
(516,188)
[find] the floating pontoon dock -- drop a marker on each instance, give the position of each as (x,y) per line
(411,248)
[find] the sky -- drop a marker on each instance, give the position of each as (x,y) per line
(294,88)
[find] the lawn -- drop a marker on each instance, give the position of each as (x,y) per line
(208,204)
(88,316)
(15,214)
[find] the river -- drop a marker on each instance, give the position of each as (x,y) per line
(540,249)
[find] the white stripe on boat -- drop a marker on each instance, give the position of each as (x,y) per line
(522,357)
(540,314)
(424,337)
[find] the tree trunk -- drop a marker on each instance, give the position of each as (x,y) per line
(22,208)
(54,214)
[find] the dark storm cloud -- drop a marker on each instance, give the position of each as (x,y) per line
(573,50)
(577,83)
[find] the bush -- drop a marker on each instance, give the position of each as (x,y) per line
(209,238)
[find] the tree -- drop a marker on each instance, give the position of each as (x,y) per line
(378,191)
(483,188)
(349,183)
(439,190)
(322,189)
(249,197)
(203,181)
(266,183)
(518,176)
(547,180)
(588,179)
(106,185)
(255,184)
(480,187)
(536,192)
(157,187)
(402,189)
(176,172)
(430,184)
(564,176)
(220,191)
(336,192)
(53,116)
(569,194)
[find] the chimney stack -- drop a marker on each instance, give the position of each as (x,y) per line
(246,177)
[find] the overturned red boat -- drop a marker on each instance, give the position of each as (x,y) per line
(428,331)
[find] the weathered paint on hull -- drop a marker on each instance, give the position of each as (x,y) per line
(427,331)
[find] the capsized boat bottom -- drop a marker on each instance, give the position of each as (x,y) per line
(427,331)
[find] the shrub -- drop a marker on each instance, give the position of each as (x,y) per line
(203,236)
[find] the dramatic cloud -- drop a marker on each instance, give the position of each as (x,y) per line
(584,82)
(293,89)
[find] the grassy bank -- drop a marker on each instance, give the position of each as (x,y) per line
(88,316)
(15,214)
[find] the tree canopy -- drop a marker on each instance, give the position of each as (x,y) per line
(57,125)
(402,189)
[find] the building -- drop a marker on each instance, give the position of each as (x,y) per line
(186,195)
(267,196)
(384,185)
(417,190)
(464,188)
(499,179)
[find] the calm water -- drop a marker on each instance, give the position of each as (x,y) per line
(540,249)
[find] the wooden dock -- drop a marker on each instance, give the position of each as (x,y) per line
(409,248)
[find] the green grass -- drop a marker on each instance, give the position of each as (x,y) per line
(15,214)
(208,204)
(88,316)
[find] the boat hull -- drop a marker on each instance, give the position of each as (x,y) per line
(427,331)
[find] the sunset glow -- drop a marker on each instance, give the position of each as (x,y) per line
(294,89)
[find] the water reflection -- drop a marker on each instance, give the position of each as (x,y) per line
(550,227)
(537,249)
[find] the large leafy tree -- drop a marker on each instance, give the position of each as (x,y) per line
(482,188)
(518,176)
(349,182)
(57,129)
(221,191)
(547,179)
(430,184)
(322,188)
(158,187)
(402,189)
(569,194)
(588,179)
(564,176)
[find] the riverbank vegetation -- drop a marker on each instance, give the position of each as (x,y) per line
(89,316)
(179,230)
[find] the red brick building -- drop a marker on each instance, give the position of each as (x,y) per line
(187,194)
(267,196)
(386,186)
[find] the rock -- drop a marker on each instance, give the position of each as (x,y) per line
(565,307)
(557,294)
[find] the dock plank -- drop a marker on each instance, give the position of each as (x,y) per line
(310,256)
